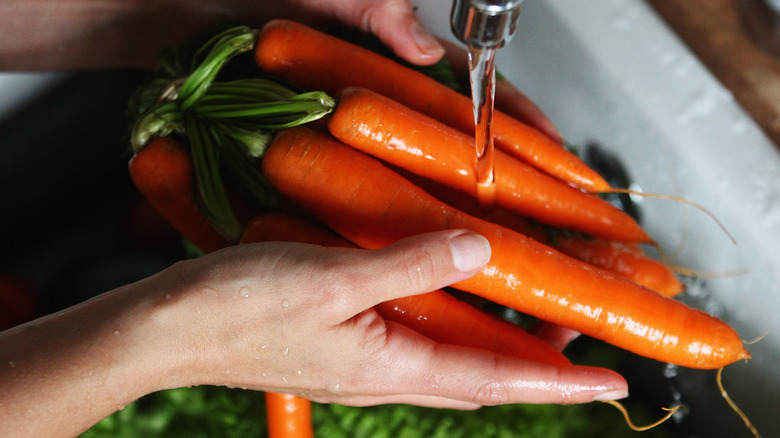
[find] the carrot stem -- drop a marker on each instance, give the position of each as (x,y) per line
(159,122)
(293,111)
(214,200)
(223,48)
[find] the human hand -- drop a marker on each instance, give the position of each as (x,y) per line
(277,317)
(299,319)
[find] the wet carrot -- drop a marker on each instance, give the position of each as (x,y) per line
(289,416)
(626,259)
(318,61)
(437,314)
(162,172)
(364,201)
(399,135)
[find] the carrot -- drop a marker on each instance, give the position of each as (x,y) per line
(283,227)
(437,314)
(364,201)
(162,172)
(399,135)
(626,259)
(317,61)
(289,416)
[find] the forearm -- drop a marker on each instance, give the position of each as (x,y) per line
(63,373)
(85,34)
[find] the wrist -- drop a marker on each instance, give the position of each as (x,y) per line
(65,372)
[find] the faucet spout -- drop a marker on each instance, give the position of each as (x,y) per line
(485,24)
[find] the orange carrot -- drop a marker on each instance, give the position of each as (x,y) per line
(437,315)
(399,135)
(282,227)
(624,258)
(289,416)
(162,172)
(317,61)
(364,201)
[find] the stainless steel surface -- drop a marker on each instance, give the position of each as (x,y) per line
(485,24)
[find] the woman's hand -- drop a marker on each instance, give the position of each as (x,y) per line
(278,317)
(299,318)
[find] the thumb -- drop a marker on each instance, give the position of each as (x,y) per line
(419,264)
(397,25)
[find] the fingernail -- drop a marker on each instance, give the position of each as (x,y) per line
(425,41)
(610,395)
(470,251)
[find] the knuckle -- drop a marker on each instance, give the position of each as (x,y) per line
(420,268)
(492,393)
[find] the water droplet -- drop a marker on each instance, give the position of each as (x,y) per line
(669,371)
(286,350)
(334,388)
(117,333)
(244,292)
(285,303)
(299,372)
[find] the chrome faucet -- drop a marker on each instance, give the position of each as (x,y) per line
(485,24)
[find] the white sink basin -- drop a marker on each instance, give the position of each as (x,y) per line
(610,71)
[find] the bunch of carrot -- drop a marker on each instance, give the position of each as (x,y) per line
(395,158)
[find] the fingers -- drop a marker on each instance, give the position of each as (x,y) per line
(412,266)
(410,399)
(423,367)
(396,24)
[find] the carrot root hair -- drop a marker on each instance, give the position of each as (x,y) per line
(677,199)
(690,272)
(619,406)
(733,405)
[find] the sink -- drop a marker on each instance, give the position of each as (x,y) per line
(611,72)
